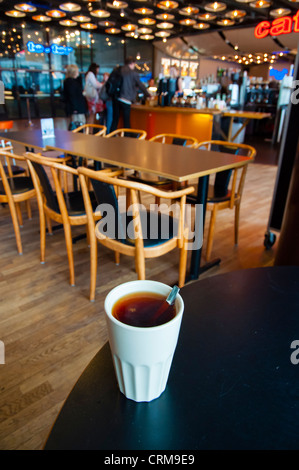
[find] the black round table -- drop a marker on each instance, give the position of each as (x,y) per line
(232,384)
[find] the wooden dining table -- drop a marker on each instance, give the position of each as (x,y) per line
(174,162)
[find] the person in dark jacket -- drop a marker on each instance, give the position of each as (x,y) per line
(75,102)
(131,83)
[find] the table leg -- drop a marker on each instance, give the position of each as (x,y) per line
(195,268)
(232,138)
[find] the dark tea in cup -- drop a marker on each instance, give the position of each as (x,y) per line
(143,309)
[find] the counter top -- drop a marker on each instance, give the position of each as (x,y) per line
(175,109)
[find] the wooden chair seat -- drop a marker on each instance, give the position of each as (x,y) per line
(75,204)
(16,170)
(18,185)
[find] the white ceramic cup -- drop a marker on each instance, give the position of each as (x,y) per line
(142,357)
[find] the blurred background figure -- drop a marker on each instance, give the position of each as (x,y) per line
(131,83)
(108,115)
(91,92)
(75,102)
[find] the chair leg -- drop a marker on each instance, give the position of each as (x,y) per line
(29,212)
(69,249)
(117,257)
(93,268)
(237,219)
(15,222)
(211,232)
(42,229)
(140,265)
(19,212)
(183,265)
(49,225)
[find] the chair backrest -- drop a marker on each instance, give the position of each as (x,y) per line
(91,128)
(42,181)
(223,178)
(6,157)
(124,132)
(175,139)
(37,166)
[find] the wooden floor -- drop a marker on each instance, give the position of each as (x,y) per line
(51,331)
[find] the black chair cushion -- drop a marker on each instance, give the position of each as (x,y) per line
(214,195)
(18,185)
(157,228)
(16,170)
(75,203)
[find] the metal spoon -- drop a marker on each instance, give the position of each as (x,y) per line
(169,301)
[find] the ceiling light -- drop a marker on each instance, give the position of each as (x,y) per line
(25,7)
(206,17)
(88,26)
(143,11)
(165,16)
(15,13)
(112,31)
(146,37)
(117,5)
(81,18)
(41,18)
(215,6)
(165,25)
(260,4)
(68,23)
(188,11)
(167,5)
(70,7)
(146,21)
(55,13)
(280,12)
(144,30)
(235,14)
(187,22)
(201,26)
(225,22)
(100,13)
(129,27)
(162,34)
(106,23)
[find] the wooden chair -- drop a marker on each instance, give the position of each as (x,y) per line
(123,132)
(175,139)
(158,182)
(220,195)
(7,146)
(137,243)
(13,191)
(90,129)
(67,209)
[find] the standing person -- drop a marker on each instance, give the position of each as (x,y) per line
(75,102)
(91,92)
(131,83)
(108,103)
(175,86)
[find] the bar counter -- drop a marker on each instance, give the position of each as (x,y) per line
(155,120)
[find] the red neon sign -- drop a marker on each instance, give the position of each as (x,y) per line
(283,25)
